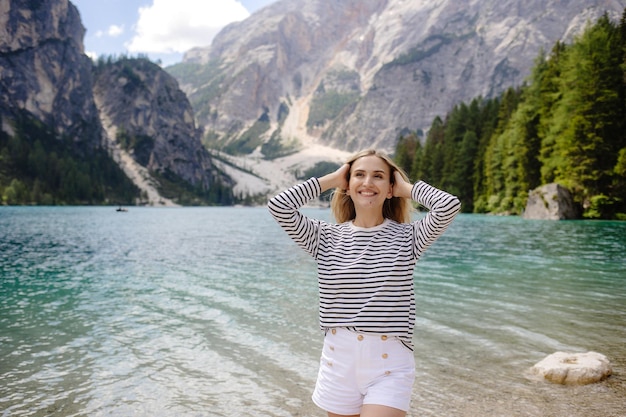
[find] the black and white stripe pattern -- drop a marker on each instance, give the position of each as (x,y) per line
(365,275)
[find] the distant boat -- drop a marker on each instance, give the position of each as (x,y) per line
(120,208)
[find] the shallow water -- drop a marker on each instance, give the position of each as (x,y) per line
(213,312)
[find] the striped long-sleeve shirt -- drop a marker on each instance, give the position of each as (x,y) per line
(365,275)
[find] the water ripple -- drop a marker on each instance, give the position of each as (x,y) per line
(213,311)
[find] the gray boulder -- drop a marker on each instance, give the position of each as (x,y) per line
(573,368)
(550,202)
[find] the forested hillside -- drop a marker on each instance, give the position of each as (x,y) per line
(73,132)
(38,167)
(567,124)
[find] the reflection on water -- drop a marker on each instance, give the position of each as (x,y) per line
(213,312)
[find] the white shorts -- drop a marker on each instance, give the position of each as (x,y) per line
(357,369)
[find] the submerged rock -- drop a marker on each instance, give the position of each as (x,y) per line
(573,368)
(550,202)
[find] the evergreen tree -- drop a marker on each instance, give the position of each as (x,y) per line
(416,165)
(405,151)
(498,161)
(456,126)
(464,172)
(545,79)
(489,124)
(586,123)
(432,155)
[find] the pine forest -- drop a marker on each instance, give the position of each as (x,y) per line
(566,125)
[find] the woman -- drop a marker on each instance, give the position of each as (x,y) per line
(365,276)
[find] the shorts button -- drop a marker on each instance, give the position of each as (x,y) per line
(331,347)
(385,356)
(383,337)
(333,331)
(360,337)
(387,372)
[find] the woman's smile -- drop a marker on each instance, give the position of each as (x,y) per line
(368,193)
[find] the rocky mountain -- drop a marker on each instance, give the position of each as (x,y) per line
(357,73)
(43,68)
(131,108)
(148,117)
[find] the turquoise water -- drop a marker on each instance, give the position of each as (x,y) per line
(213,312)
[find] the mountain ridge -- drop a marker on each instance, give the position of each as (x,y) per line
(53,145)
(412,61)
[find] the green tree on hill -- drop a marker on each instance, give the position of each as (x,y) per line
(567,125)
(38,167)
(587,123)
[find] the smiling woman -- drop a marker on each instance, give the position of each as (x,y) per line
(365,276)
(161,29)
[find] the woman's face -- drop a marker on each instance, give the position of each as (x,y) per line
(370,182)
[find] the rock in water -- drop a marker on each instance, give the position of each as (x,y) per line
(573,368)
(550,202)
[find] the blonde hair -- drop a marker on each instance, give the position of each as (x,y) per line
(395,208)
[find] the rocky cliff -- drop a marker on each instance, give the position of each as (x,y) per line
(46,77)
(150,118)
(355,74)
(43,68)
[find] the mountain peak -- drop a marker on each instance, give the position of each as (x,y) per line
(296,63)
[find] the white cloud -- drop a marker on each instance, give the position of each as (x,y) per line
(178,25)
(115,30)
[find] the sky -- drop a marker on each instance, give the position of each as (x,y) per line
(161,29)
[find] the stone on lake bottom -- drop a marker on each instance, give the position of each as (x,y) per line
(573,368)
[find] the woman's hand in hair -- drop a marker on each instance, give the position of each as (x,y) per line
(401,187)
(337,179)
